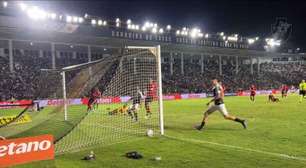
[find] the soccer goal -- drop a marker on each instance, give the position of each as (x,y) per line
(130,104)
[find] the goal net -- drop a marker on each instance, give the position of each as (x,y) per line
(129,80)
(130,102)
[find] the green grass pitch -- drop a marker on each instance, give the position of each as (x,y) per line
(276,137)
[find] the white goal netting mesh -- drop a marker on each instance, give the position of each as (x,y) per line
(128,106)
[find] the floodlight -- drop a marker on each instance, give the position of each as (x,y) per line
(128,21)
(147,24)
(100,22)
(168,27)
(75,19)
(36,14)
(23,6)
(222,34)
(206,35)
(137,27)
(53,16)
(143,28)
(4,3)
(154,30)
(93,22)
(81,20)
(68,19)
(104,23)
(161,30)
(178,32)
(117,20)
(251,41)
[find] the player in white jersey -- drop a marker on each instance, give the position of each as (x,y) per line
(218,105)
(135,106)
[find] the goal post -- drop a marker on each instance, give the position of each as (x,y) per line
(160,90)
(120,113)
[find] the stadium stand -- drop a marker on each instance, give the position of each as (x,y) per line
(23,82)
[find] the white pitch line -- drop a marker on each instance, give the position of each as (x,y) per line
(239,148)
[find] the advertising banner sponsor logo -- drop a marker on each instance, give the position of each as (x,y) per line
(22,119)
(15,104)
(24,150)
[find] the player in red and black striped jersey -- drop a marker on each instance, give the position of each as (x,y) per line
(94,95)
(284,90)
(252,93)
(151,95)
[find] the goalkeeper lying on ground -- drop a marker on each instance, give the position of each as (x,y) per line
(132,109)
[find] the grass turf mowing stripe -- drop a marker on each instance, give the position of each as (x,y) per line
(237,147)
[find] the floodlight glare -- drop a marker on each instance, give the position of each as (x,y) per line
(251,41)
(100,22)
(53,16)
(36,14)
(133,27)
(68,19)
(222,34)
(206,35)
(147,24)
(178,32)
(104,23)
(4,4)
(128,21)
(117,24)
(117,20)
(168,27)
(143,28)
(75,19)
(93,22)
(80,20)
(161,30)
(154,30)
(23,6)
(137,27)
(232,38)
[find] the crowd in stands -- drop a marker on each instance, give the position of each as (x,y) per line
(29,82)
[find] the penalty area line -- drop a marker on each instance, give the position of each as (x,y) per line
(238,148)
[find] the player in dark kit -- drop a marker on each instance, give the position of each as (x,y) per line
(219,105)
(151,95)
(284,90)
(94,95)
(136,101)
(252,93)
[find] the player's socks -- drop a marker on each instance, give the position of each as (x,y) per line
(243,122)
(200,126)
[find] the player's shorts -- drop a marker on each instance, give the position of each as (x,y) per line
(91,101)
(303,92)
(284,92)
(253,93)
(221,108)
(148,99)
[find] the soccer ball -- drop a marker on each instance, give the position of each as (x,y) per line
(150,133)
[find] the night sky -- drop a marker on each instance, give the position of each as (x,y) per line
(245,17)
